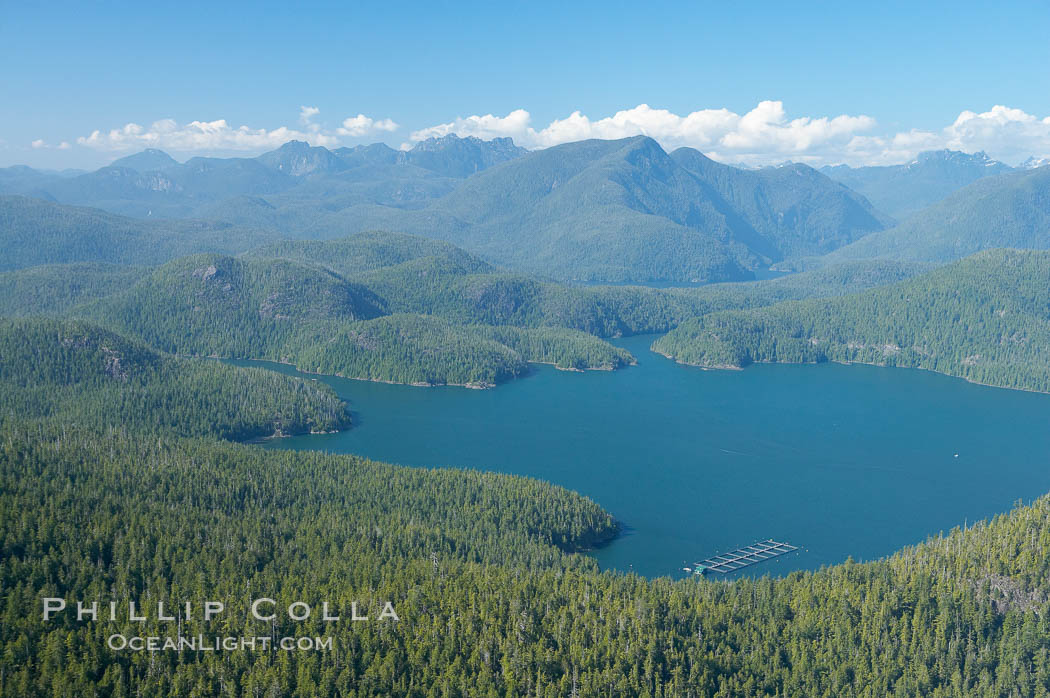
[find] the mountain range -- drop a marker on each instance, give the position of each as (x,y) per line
(1007,210)
(619,211)
(153,184)
(902,190)
(623,211)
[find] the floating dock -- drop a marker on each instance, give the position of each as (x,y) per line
(743,557)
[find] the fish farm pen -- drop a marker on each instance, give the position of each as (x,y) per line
(743,557)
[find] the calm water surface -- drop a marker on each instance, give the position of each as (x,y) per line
(839,460)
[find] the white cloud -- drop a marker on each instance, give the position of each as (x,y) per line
(361,125)
(514,125)
(220,136)
(1006,134)
(763,134)
(40,143)
(306,114)
(766,135)
(198,136)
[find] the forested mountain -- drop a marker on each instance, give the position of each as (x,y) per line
(213,304)
(54,289)
(626,210)
(426,350)
(614,211)
(79,374)
(902,190)
(797,210)
(34,232)
(984,318)
(1008,210)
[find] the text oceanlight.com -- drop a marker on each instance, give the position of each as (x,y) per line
(200,643)
(262,609)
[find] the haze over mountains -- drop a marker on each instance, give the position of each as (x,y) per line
(902,190)
(983,318)
(152,183)
(597,211)
(1008,210)
(34,232)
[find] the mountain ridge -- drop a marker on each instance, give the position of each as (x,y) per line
(1007,210)
(903,190)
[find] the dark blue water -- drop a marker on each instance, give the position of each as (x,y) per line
(839,460)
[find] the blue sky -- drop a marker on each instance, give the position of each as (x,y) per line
(886,69)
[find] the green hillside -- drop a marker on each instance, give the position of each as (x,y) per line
(417,275)
(424,350)
(211,305)
(53,289)
(797,210)
(80,374)
(410,309)
(903,190)
(1008,210)
(369,251)
(985,318)
(35,232)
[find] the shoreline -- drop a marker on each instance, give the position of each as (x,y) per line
(710,367)
(703,367)
(420,384)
